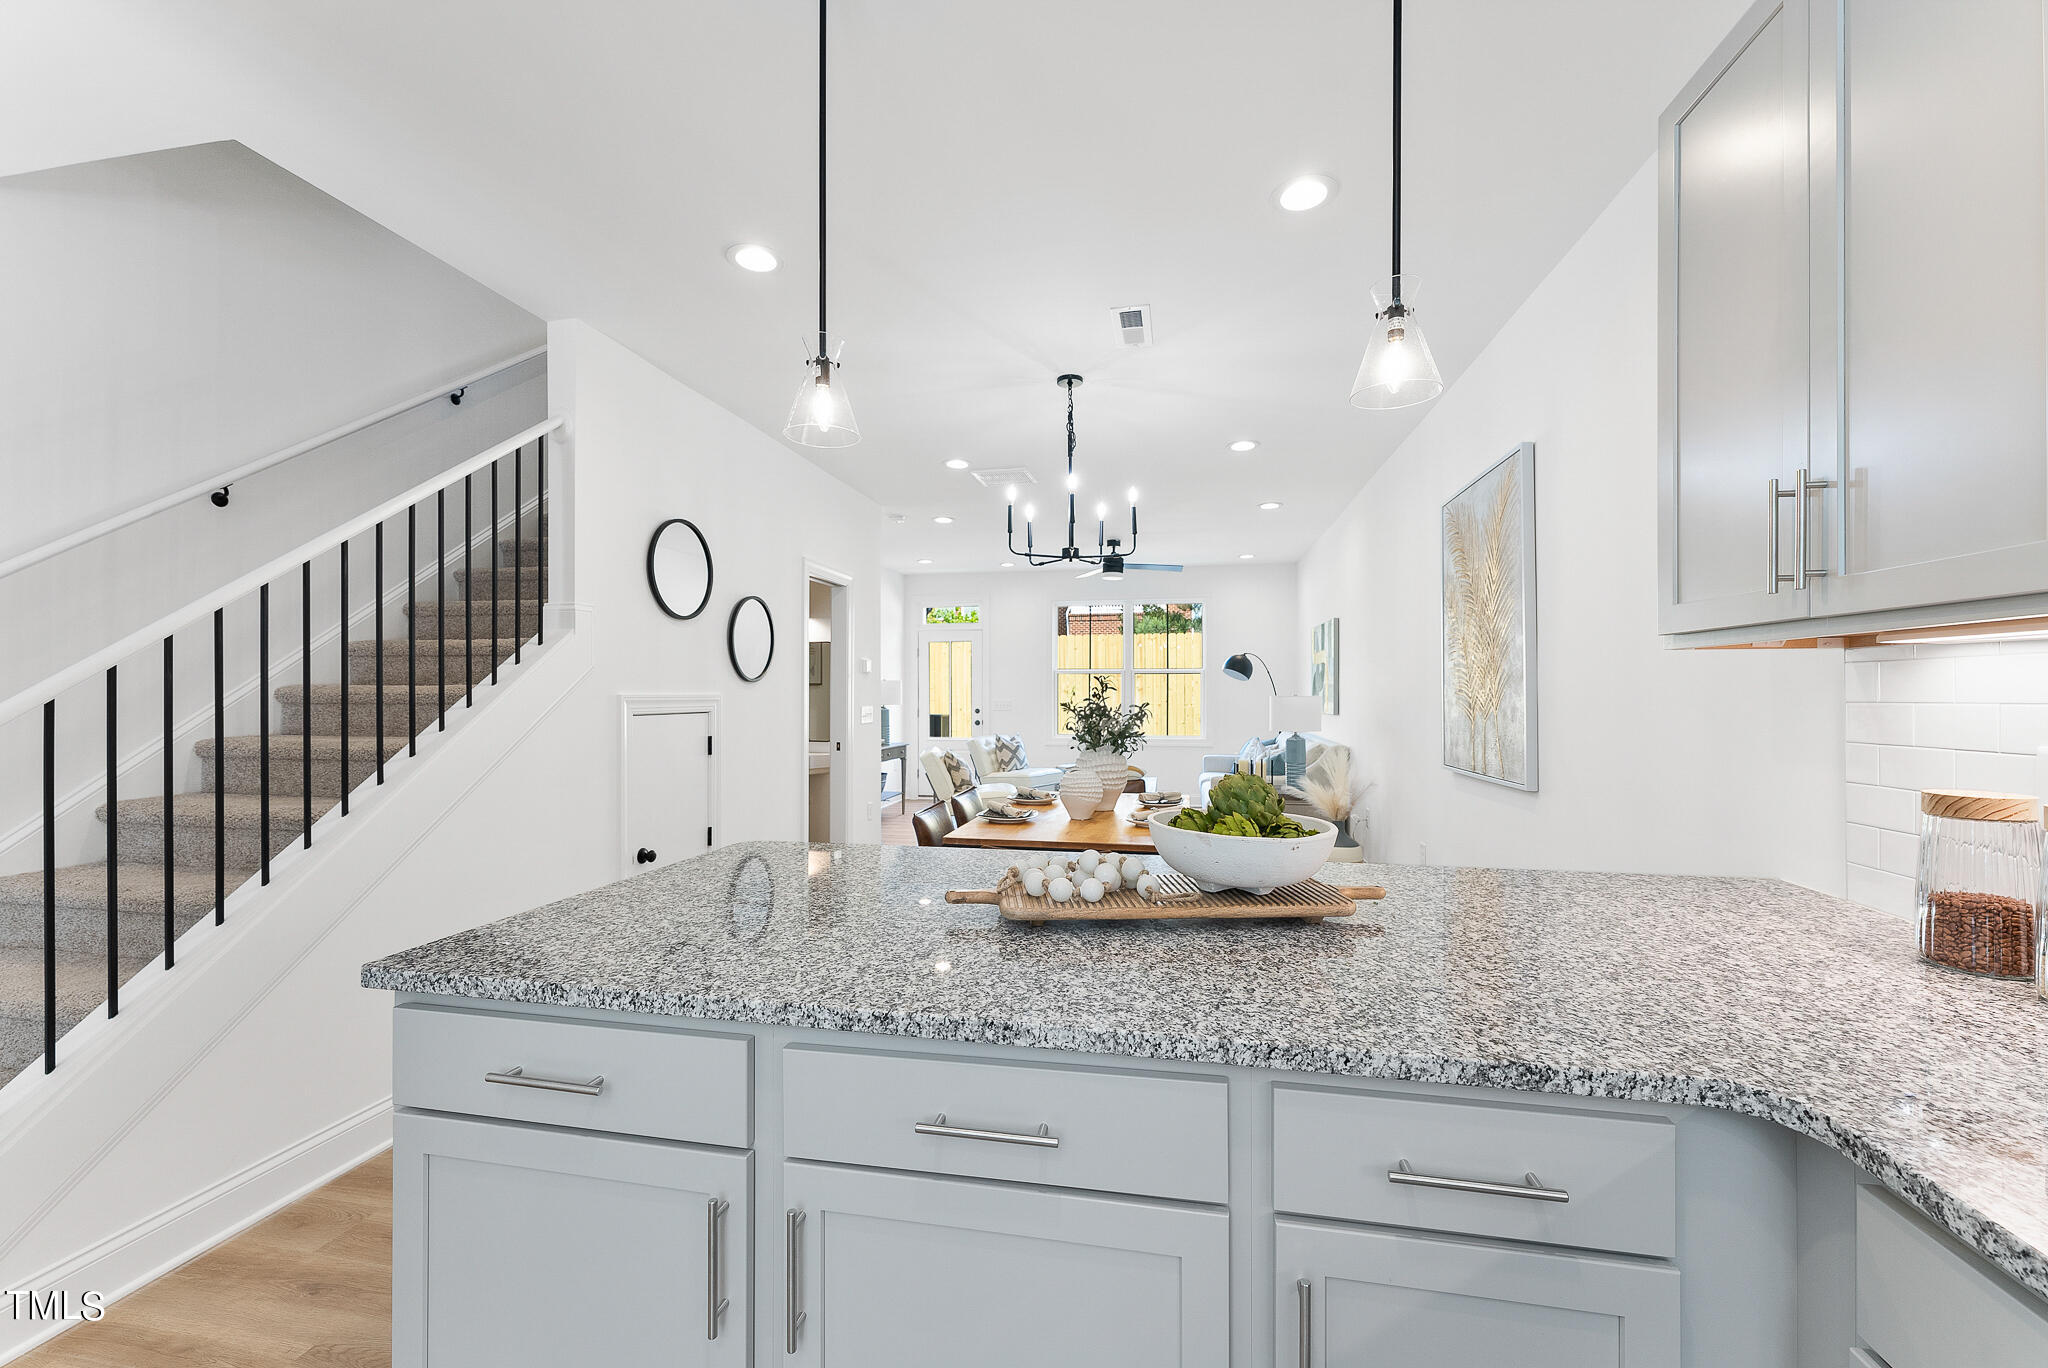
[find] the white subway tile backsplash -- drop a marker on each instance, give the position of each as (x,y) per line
(1860,762)
(1886,892)
(1898,853)
(2002,679)
(1882,724)
(1860,680)
(2022,727)
(1864,844)
(1994,773)
(1956,726)
(1890,808)
(1917,681)
(1951,649)
(1878,653)
(1915,767)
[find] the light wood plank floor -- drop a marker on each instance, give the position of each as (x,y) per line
(308,1285)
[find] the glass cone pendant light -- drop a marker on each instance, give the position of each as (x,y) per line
(1398,369)
(822,415)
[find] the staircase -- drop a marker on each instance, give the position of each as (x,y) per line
(451,653)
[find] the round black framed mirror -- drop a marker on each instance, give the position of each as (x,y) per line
(750,638)
(679,568)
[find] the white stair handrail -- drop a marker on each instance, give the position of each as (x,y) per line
(129,517)
(96,664)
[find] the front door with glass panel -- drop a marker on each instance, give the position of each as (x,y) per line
(949,683)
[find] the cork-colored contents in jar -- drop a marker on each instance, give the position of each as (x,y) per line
(1984,933)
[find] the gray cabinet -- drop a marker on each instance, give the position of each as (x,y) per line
(1854,284)
(1346,1296)
(1733,339)
(891,1270)
(521,1247)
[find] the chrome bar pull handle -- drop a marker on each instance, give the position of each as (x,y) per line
(1528,1188)
(714,1265)
(520,1078)
(1801,571)
(792,1274)
(1042,1139)
(1777,494)
(1304,1294)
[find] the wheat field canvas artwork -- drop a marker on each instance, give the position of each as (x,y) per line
(1489,666)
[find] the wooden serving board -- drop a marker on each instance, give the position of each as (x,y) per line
(1180,898)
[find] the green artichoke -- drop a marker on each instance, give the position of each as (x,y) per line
(1248,796)
(1234,824)
(1191,819)
(1287,829)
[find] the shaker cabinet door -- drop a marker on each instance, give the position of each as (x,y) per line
(539,1248)
(1732,331)
(892,1270)
(1941,250)
(1352,1296)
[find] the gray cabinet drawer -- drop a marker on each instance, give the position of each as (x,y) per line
(676,1085)
(1150,1135)
(1923,1303)
(1340,1154)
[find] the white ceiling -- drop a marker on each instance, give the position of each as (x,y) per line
(1003,175)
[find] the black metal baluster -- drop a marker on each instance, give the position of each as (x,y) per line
(441,610)
(306,701)
(540,509)
(494,572)
(50,885)
(170,843)
(518,552)
(263,731)
(113,854)
(346,682)
(377,619)
(412,645)
(468,593)
(220,768)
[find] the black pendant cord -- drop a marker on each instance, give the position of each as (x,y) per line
(1397,153)
(1069,383)
(823,362)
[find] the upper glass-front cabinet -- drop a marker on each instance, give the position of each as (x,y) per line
(1901,360)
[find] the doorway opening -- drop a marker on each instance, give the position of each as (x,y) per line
(828,647)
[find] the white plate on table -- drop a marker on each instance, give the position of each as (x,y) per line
(1019,820)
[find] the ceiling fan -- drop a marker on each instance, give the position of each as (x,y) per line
(1114,565)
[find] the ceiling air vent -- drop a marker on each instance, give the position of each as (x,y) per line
(1135,323)
(996,479)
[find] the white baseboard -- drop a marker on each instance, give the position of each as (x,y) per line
(181,1232)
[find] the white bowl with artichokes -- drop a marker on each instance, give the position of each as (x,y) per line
(1243,839)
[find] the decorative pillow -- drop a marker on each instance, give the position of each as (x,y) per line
(957,771)
(1007,753)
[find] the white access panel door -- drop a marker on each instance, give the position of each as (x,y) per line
(668,788)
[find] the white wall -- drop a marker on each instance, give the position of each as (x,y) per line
(1969,715)
(267,1049)
(1721,762)
(1247,608)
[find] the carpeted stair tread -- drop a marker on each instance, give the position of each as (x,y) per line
(142,822)
(81,988)
(242,811)
(522,617)
(478,582)
(242,766)
(362,709)
(426,655)
(289,744)
(82,904)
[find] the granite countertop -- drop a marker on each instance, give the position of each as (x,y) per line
(1752,995)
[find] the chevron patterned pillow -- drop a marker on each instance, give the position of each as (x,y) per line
(1008,754)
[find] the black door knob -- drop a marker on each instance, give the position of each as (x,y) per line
(645,856)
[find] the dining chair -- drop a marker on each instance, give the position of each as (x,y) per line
(931,824)
(967,805)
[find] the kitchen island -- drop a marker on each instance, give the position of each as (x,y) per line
(1580,1118)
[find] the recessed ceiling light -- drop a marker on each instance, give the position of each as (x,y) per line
(942,520)
(956,464)
(1009,565)
(926,561)
(1269,505)
(1246,555)
(1244,444)
(1306,192)
(751,256)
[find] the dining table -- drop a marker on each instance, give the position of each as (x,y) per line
(1052,828)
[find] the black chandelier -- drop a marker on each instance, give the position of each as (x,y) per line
(1109,560)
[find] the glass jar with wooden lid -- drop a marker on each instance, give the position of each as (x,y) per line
(1980,881)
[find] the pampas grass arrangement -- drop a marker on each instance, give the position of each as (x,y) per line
(1330,788)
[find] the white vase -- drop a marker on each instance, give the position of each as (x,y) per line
(1080,791)
(1110,770)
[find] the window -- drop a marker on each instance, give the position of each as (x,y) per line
(950,616)
(1150,652)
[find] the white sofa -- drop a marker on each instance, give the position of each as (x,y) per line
(981,764)
(1215,767)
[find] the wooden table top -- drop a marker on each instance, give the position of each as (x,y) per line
(1055,830)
